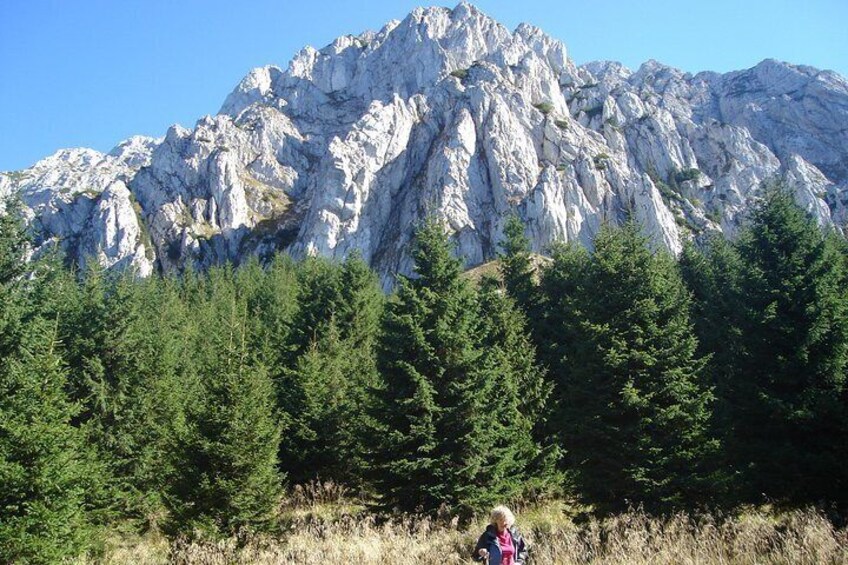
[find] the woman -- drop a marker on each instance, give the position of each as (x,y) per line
(501,543)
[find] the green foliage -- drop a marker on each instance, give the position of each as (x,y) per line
(150,381)
(561,124)
(714,216)
(634,411)
(561,287)
(13,247)
(600,161)
(686,175)
(327,393)
(784,390)
(162,401)
(516,266)
(451,435)
(14,242)
(46,474)
(544,107)
(461,74)
(224,454)
(520,407)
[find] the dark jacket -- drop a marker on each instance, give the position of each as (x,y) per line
(489,540)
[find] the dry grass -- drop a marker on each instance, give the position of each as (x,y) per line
(492,268)
(324,527)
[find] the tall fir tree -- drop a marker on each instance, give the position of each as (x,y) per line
(46,472)
(521,404)
(713,278)
(14,243)
(445,401)
(152,383)
(557,324)
(225,452)
(634,408)
(516,266)
(329,389)
(785,405)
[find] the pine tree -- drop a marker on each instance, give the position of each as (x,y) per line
(14,242)
(45,471)
(225,452)
(273,307)
(516,266)
(446,427)
(785,401)
(357,322)
(312,373)
(13,247)
(522,393)
(634,409)
(562,291)
(328,390)
(713,278)
(151,382)
(84,328)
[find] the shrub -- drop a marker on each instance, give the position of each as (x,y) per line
(544,107)
(686,175)
(714,216)
(461,74)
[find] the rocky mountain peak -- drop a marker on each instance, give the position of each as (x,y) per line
(447,111)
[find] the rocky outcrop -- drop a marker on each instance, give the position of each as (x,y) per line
(448,112)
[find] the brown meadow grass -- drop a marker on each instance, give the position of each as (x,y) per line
(323,525)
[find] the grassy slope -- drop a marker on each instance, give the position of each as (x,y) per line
(322,532)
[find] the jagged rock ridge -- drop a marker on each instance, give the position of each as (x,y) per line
(447,112)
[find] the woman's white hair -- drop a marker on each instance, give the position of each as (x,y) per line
(503,513)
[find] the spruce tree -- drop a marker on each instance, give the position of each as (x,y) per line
(557,325)
(356,322)
(14,242)
(45,471)
(13,247)
(312,373)
(225,451)
(328,391)
(446,429)
(529,458)
(516,266)
(785,401)
(150,385)
(634,409)
(713,278)
(273,307)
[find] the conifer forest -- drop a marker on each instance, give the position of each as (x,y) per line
(616,378)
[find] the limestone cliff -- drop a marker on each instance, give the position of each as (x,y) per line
(447,112)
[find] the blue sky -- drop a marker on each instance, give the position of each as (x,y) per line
(93,72)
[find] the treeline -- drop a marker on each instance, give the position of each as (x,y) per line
(621,376)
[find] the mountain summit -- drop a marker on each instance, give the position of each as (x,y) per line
(446,112)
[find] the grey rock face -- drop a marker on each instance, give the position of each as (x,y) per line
(448,112)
